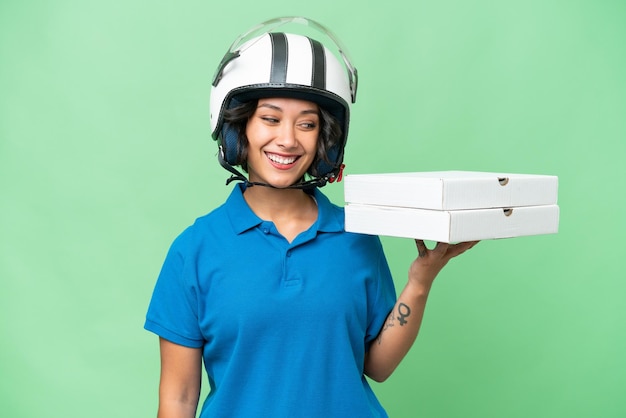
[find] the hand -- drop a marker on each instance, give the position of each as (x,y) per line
(430,262)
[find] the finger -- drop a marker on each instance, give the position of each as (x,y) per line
(421,248)
(460,248)
(441,247)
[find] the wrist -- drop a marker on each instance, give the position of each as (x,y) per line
(417,288)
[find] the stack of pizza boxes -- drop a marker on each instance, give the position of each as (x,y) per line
(451,206)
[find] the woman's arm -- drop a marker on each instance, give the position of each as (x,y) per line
(403,324)
(181,372)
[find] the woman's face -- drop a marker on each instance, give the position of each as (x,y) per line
(282,140)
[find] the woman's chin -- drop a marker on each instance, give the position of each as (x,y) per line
(281,184)
(278,182)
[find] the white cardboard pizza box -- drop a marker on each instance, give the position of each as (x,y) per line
(451,190)
(452,225)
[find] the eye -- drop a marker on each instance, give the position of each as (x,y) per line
(308,125)
(270,119)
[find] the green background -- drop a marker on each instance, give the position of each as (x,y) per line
(105,156)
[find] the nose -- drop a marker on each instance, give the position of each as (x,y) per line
(286,137)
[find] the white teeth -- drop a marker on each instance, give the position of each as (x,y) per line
(280,159)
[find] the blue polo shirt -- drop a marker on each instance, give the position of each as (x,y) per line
(284,327)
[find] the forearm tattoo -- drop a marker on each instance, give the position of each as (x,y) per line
(404,312)
(388,324)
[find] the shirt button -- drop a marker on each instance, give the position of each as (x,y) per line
(289,253)
(266,230)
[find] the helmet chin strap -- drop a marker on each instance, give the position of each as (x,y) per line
(238,176)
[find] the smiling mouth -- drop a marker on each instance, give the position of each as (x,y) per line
(280,159)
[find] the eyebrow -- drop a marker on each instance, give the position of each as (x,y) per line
(277,108)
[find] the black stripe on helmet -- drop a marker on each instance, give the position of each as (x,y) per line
(278,72)
(318,76)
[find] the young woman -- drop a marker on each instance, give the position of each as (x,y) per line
(287,311)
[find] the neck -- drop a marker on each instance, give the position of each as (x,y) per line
(270,203)
(291,210)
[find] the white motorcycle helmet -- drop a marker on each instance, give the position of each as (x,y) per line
(268,61)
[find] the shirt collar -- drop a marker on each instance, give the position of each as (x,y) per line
(242,218)
(329,217)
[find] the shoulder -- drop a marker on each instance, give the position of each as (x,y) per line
(202,228)
(219,223)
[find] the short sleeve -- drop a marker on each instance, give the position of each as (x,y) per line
(385,295)
(173,313)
